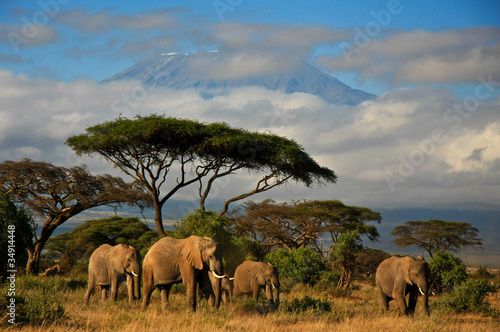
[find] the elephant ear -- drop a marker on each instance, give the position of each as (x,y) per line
(192,252)
(257,272)
(407,271)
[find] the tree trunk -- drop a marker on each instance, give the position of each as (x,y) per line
(158,218)
(33,265)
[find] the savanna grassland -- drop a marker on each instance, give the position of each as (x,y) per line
(56,304)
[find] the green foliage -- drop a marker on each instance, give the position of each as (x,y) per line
(307,303)
(19,218)
(207,223)
(84,239)
(469,297)
(344,254)
(328,281)
(302,264)
(447,271)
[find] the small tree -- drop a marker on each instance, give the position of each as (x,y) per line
(436,235)
(59,193)
(302,264)
(301,224)
(344,254)
(447,270)
(16,227)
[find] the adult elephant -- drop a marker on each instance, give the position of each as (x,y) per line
(251,277)
(170,261)
(397,277)
(111,265)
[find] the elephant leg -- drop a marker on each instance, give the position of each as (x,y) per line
(400,299)
(148,289)
(412,301)
(255,291)
(130,288)
(164,293)
(191,293)
(104,292)
(384,300)
(90,289)
(114,289)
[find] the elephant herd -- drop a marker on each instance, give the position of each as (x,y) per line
(197,261)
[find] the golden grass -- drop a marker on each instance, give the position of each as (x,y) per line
(358,312)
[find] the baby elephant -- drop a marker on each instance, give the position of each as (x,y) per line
(250,277)
(109,266)
(396,277)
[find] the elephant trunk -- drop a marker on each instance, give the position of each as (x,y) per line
(218,292)
(137,286)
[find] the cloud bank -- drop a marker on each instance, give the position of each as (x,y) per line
(421,148)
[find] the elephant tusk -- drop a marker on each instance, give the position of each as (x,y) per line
(135,274)
(217,276)
(231,278)
(273,285)
(421,291)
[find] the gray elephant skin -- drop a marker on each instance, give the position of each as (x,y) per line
(111,265)
(252,277)
(170,261)
(397,277)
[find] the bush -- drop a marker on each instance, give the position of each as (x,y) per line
(447,271)
(469,297)
(302,265)
(307,304)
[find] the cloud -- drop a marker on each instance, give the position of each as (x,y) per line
(104,21)
(452,56)
(27,35)
(409,147)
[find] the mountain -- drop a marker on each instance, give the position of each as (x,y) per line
(175,70)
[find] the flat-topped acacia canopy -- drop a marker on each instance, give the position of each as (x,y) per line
(149,147)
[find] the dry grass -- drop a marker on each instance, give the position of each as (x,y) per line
(358,312)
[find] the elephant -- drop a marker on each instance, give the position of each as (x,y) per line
(397,277)
(111,265)
(250,277)
(170,261)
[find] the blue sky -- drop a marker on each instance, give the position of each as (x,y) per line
(431,139)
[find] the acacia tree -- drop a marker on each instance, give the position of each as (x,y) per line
(59,193)
(436,235)
(151,148)
(301,224)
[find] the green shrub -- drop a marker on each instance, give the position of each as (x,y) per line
(302,264)
(307,304)
(447,271)
(469,297)
(328,280)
